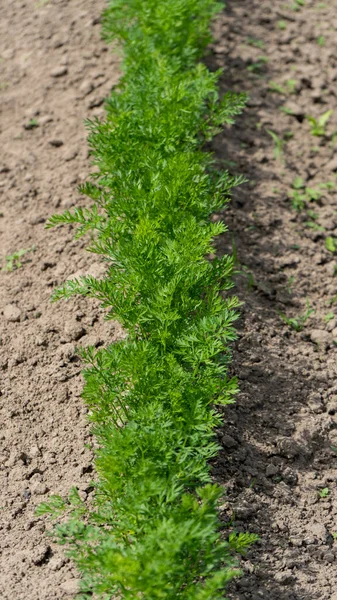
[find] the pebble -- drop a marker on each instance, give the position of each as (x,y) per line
(45,119)
(331,407)
(284,577)
(271,470)
(228,441)
(34,451)
(97,101)
(73,331)
(244,511)
(71,586)
(329,557)
(12,313)
(289,476)
(318,530)
(86,88)
(40,554)
(297,542)
(315,404)
(320,337)
(288,447)
(59,71)
(39,489)
(332,325)
(332,164)
(70,154)
(56,563)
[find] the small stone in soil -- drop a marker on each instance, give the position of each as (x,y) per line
(228,441)
(288,448)
(329,557)
(40,554)
(284,577)
(59,71)
(71,586)
(86,87)
(332,164)
(56,563)
(73,331)
(12,313)
(318,530)
(39,489)
(271,470)
(320,337)
(289,476)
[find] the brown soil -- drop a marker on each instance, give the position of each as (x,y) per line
(279,447)
(56,70)
(279,443)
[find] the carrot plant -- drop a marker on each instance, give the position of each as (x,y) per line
(153,530)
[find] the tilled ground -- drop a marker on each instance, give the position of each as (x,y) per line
(279,459)
(55,72)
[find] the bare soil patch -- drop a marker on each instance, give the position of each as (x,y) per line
(279,459)
(55,72)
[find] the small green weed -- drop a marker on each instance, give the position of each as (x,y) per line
(331,244)
(256,43)
(296,196)
(288,88)
(13,261)
(321,40)
(290,283)
(278,145)
(250,277)
(257,66)
(324,493)
(276,87)
(328,317)
(301,195)
(297,5)
(318,126)
(282,25)
(333,140)
(286,110)
(291,86)
(297,323)
(32,124)
(314,226)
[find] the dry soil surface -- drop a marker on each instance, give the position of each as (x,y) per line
(55,72)
(279,458)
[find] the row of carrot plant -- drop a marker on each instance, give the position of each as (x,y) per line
(153,531)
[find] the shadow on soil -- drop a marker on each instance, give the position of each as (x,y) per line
(262,459)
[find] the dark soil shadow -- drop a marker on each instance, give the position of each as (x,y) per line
(278,462)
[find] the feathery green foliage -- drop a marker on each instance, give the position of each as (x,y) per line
(153,532)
